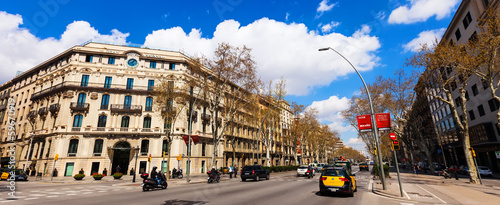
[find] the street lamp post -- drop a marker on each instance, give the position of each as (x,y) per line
(136,157)
(190,128)
(374,123)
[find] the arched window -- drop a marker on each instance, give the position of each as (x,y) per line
(105,102)
(77,122)
(98,147)
(149,104)
(125,121)
(73,147)
(147,122)
(102,121)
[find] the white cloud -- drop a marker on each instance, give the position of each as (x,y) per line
(356,143)
(323,6)
(421,10)
(329,112)
(329,26)
(424,37)
(280,49)
(21,50)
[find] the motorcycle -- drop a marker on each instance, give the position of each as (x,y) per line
(213,177)
(177,173)
(446,174)
(150,183)
(309,174)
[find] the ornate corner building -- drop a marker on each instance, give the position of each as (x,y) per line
(92,106)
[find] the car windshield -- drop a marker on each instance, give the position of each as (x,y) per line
(333,172)
(303,167)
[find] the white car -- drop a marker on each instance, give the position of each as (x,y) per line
(483,170)
(301,171)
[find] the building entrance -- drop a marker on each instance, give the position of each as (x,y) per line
(121,157)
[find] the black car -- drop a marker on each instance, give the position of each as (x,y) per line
(363,166)
(255,172)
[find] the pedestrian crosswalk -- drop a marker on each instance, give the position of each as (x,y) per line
(66,192)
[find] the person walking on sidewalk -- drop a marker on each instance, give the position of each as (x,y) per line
(235,171)
(118,169)
(231,172)
(416,168)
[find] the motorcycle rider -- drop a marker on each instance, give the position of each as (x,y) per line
(214,172)
(174,173)
(154,175)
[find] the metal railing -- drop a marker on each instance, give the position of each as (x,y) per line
(54,107)
(126,108)
(88,85)
(79,106)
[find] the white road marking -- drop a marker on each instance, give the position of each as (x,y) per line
(52,196)
(370,184)
(30,198)
(432,194)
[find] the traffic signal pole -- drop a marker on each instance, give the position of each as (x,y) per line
(397,170)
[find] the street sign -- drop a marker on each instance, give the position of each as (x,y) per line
(392,136)
(395,145)
(383,121)
(364,123)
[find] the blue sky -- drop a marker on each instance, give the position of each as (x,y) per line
(376,36)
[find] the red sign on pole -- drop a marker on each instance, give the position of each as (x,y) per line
(392,136)
(383,121)
(195,139)
(364,123)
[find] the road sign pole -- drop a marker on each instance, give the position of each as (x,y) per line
(397,170)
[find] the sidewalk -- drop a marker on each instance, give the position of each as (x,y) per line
(425,188)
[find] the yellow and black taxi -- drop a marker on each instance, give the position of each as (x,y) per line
(337,180)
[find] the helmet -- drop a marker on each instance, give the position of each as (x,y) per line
(154,167)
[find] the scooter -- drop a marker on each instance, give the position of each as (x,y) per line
(150,183)
(213,177)
(446,174)
(177,173)
(309,174)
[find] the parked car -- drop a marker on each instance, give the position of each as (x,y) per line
(485,171)
(19,175)
(255,172)
(463,170)
(302,170)
(337,180)
(363,166)
(320,166)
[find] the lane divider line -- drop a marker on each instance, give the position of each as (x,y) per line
(432,194)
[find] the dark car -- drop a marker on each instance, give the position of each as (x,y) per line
(254,172)
(363,166)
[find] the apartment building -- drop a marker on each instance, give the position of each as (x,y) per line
(482,109)
(92,106)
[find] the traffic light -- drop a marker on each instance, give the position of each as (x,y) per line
(375,151)
(56,157)
(473,152)
(149,158)
(163,155)
(395,145)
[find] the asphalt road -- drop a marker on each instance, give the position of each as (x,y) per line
(282,188)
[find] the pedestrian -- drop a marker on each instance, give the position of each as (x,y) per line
(118,169)
(231,172)
(235,171)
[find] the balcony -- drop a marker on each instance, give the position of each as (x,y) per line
(5,95)
(205,117)
(126,108)
(54,108)
(76,129)
(32,114)
(194,117)
(68,85)
(43,111)
(148,108)
(74,106)
(104,107)
(171,111)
